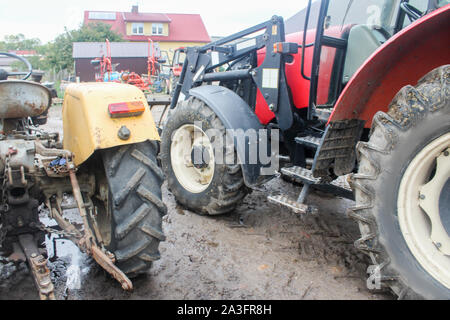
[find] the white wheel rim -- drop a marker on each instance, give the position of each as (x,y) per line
(418,212)
(192,178)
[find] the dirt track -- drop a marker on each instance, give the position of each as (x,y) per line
(260,251)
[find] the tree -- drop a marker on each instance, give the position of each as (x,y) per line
(19,42)
(59,51)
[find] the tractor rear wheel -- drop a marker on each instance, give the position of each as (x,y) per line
(202,184)
(402,192)
(130,221)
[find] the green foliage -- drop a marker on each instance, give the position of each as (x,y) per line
(38,62)
(59,54)
(18,42)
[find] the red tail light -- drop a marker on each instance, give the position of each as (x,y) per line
(126,109)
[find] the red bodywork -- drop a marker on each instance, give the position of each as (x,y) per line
(105,64)
(177,70)
(151,62)
(135,80)
(177,66)
(300,86)
(424,45)
(402,60)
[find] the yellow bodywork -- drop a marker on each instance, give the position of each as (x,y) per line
(88,126)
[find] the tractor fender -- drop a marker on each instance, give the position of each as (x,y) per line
(88,126)
(403,59)
(235,114)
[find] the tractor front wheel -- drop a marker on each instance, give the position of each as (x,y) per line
(194,153)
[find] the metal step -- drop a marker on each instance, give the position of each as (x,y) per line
(309,141)
(299,208)
(301,175)
(323,114)
(339,187)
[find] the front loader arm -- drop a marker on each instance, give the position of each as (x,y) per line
(201,62)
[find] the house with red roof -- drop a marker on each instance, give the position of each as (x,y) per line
(170,30)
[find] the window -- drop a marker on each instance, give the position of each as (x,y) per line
(421,5)
(102,16)
(367,12)
(138,28)
(157,28)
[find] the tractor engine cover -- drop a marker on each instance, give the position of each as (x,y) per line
(21,99)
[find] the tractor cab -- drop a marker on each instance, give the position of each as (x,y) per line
(346,33)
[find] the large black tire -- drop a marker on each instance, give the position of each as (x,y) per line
(134,181)
(227,187)
(416,117)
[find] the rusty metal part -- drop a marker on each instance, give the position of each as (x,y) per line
(47,152)
(88,235)
(19,153)
(89,240)
(10,177)
(67,226)
(41,275)
(23,180)
(17,254)
(107,264)
(61,185)
(21,99)
(38,265)
(97,232)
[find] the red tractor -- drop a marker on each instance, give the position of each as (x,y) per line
(175,69)
(363,92)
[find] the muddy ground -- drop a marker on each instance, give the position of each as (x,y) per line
(259,251)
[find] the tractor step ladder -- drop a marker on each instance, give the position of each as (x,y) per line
(323,114)
(309,142)
(299,208)
(338,187)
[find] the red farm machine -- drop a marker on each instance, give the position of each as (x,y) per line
(362,93)
(176,67)
(103,66)
(155,81)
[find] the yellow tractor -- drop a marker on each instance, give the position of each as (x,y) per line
(107,161)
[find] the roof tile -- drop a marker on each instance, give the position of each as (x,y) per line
(145,17)
(182,27)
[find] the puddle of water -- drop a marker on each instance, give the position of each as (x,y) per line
(59,249)
(73,274)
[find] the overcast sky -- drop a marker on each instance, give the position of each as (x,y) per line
(44,19)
